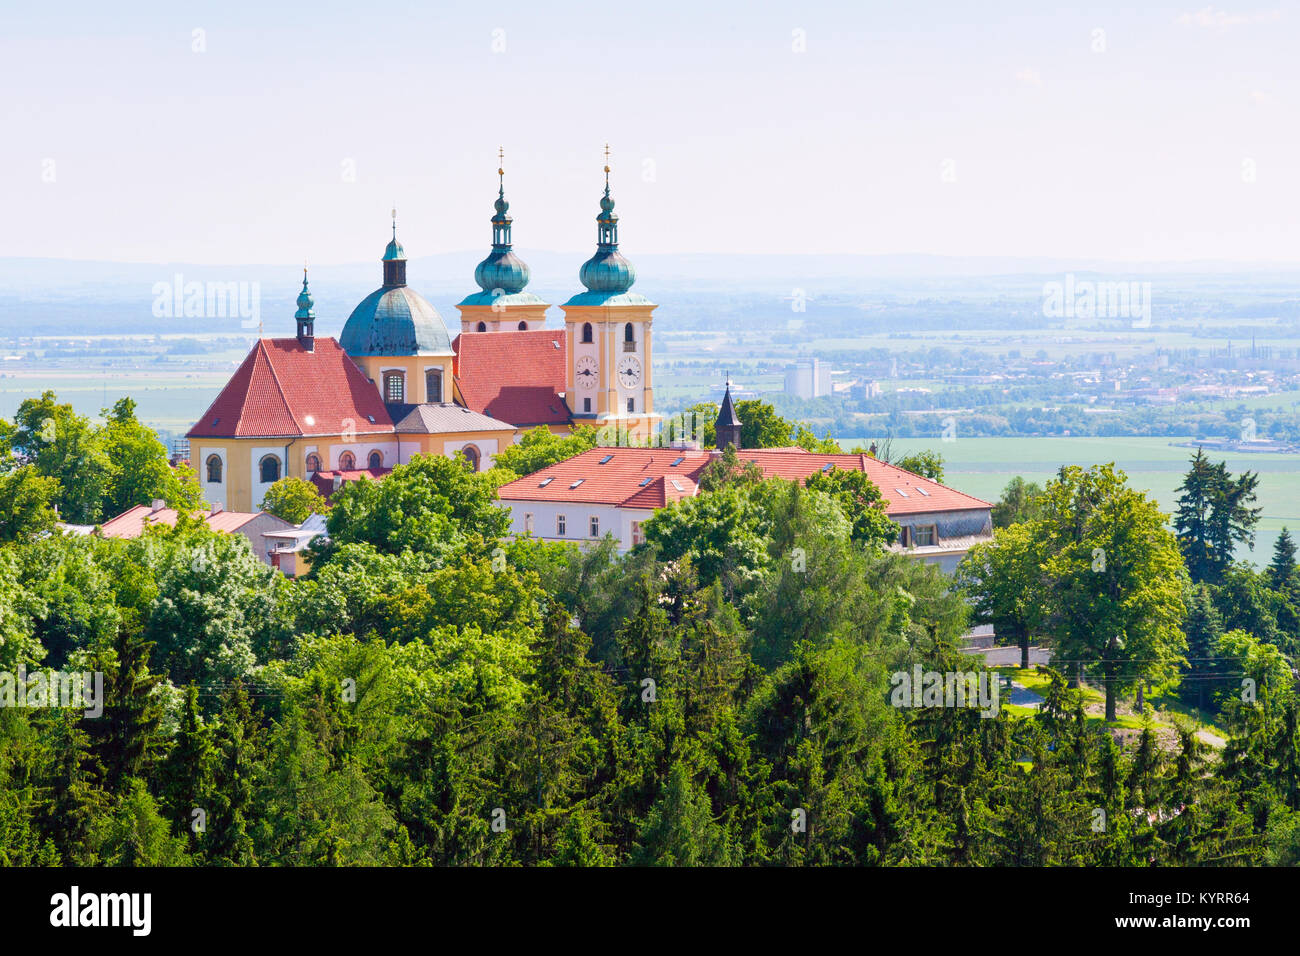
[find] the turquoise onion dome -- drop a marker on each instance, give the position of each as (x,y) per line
(607,275)
(306,305)
(502,275)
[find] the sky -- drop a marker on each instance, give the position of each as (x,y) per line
(239,132)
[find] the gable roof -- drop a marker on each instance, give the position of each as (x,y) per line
(281,390)
(442,419)
(648,478)
(133,522)
(516,376)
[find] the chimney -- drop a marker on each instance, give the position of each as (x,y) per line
(157,506)
(216,508)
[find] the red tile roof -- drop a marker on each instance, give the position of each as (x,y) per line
(281,390)
(622,480)
(132,522)
(514,376)
(325,480)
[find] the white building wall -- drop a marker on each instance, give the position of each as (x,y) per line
(214,493)
(613,520)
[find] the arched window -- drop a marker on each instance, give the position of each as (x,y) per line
(628,334)
(376,460)
(472,456)
(214,469)
(523,326)
(482,326)
(347,461)
(313,463)
(433,384)
(394,387)
(270,469)
(586,331)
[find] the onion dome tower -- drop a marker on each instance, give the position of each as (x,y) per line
(306,316)
(609,337)
(501,305)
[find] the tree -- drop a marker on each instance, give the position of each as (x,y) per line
(926,463)
(860,499)
(1020,502)
(138,469)
(1281,571)
(761,426)
(1214,516)
(26,504)
(1115,579)
(680,829)
(60,444)
(433,505)
(294,499)
(807,439)
(1204,629)
(540,447)
(1004,578)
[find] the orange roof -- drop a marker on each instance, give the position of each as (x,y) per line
(515,376)
(650,477)
(282,390)
(133,522)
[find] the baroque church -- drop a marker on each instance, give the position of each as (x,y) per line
(395,384)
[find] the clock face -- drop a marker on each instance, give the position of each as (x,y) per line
(586,372)
(629,371)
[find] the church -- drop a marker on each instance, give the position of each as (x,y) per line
(395,384)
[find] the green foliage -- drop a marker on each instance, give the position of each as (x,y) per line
(1214,516)
(294,499)
(761,426)
(860,499)
(27,501)
(138,470)
(539,447)
(1020,501)
(927,464)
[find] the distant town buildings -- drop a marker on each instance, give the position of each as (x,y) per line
(808,379)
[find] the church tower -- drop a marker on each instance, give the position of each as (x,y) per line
(502,305)
(608,337)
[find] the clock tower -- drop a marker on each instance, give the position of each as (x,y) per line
(608,337)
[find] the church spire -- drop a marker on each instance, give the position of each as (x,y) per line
(502,272)
(394,259)
(728,424)
(607,271)
(306,315)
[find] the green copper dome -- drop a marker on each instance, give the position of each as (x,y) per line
(305,302)
(607,275)
(502,275)
(394,319)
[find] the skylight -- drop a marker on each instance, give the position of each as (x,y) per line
(901,492)
(923,491)
(544,482)
(645,481)
(828,466)
(576,483)
(678,485)
(606,460)
(678,462)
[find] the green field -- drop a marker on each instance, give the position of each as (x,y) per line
(983,466)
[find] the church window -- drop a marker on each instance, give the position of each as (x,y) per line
(631,404)
(472,456)
(586,405)
(376,460)
(482,326)
(394,387)
(629,338)
(313,463)
(523,326)
(214,469)
(433,384)
(347,461)
(586,331)
(270,469)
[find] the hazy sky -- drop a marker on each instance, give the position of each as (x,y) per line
(235,144)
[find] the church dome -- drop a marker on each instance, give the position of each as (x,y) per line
(394,321)
(503,270)
(607,271)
